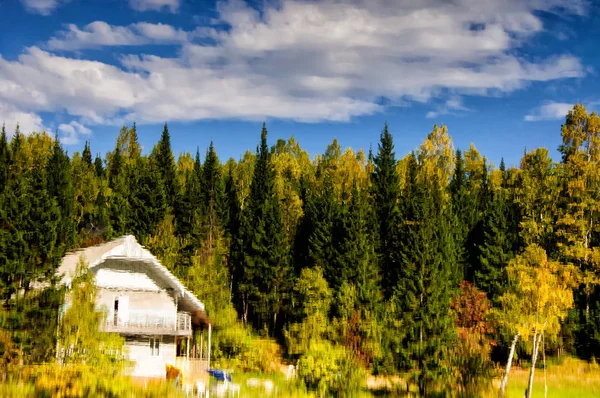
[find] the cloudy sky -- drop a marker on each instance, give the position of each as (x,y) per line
(499,73)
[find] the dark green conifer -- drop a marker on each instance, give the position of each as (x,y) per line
(60,188)
(386,192)
(86,155)
(166,165)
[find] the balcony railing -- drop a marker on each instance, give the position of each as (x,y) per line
(148,323)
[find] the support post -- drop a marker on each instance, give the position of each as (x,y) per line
(187,348)
(209,335)
(201,343)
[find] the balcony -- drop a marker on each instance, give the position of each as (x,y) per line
(151,324)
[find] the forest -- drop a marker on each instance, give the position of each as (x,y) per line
(436,265)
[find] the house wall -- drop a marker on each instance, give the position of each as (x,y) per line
(147,297)
(141,303)
(146,365)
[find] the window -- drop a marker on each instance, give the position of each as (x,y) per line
(155,346)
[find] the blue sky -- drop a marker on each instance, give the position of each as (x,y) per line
(500,74)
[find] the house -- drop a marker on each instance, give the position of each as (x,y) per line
(161,321)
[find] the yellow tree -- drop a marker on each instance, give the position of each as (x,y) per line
(539,296)
(291,163)
(579,217)
(436,158)
(536,190)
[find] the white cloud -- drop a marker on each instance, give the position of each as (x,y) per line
(306,61)
(451,106)
(550,111)
(99,34)
(28,122)
(42,7)
(155,5)
(72,132)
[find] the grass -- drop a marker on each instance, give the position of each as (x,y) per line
(573,378)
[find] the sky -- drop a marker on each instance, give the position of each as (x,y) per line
(499,74)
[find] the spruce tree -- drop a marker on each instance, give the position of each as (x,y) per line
(166,166)
(60,188)
(118,204)
(386,192)
(147,198)
(500,244)
(324,212)
(211,193)
(461,210)
(86,155)
(425,284)
(98,166)
(231,220)
(265,277)
(4,159)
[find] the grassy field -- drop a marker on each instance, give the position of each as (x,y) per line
(572,378)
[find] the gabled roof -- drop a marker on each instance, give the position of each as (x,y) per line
(126,248)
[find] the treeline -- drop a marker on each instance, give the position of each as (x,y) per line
(431,264)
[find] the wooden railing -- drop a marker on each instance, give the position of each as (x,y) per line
(143,322)
(192,369)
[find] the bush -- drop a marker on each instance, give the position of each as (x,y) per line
(330,370)
(52,380)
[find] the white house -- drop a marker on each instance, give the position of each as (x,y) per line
(161,321)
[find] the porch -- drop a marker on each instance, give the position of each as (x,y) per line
(192,354)
(145,323)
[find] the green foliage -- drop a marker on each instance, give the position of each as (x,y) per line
(166,166)
(348,259)
(80,336)
(386,193)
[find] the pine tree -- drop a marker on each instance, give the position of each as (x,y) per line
(4,160)
(166,165)
(231,220)
(386,191)
(86,155)
(211,193)
(424,288)
(500,243)
(325,216)
(146,198)
(98,166)
(264,278)
(60,188)
(462,211)
(133,146)
(118,204)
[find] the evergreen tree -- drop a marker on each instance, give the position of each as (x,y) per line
(462,211)
(211,193)
(86,155)
(98,166)
(231,220)
(264,280)
(325,219)
(4,160)
(424,289)
(60,188)
(500,243)
(166,165)
(386,191)
(133,146)
(118,204)
(147,198)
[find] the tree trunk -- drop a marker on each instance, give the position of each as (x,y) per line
(536,346)
(511,354)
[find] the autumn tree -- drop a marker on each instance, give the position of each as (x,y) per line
(539,297)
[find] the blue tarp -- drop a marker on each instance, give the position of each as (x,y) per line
(220,375)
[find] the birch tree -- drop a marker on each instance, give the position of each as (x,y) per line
(537,300)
